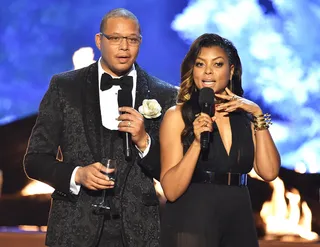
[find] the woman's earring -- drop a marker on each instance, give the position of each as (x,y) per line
(186,96)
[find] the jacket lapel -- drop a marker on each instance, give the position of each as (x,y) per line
(91,114)
(142,91)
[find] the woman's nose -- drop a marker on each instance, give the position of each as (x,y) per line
(208,70)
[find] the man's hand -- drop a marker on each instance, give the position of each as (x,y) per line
(133,122)
(91,177)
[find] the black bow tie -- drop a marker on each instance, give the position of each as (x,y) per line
(125,82)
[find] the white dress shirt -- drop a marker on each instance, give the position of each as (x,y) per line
(109,99)
(109,113)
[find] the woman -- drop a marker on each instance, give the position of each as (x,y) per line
(208,201)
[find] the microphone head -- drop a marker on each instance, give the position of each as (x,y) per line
(206,96)
(124,98)
(206,101)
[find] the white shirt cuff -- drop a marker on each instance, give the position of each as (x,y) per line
(74,189)
(146,151)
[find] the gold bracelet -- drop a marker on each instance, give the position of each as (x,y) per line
(262,122)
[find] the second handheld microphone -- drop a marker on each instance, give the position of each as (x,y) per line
(206,102)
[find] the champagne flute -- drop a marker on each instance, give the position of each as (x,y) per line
(103,207)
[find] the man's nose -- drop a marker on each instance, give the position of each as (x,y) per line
(124,44)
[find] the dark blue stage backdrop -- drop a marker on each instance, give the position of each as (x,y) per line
(278,42)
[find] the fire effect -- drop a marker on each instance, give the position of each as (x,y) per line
(36,188)
(282,218)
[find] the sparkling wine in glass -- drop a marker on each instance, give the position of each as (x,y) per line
(104,206)
(111,169)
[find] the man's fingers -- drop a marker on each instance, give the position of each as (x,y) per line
(130,117)
(130,111)
(101,183)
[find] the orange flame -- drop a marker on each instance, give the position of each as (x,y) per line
(286,219)
(35,188)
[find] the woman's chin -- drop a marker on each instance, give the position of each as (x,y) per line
(207,86)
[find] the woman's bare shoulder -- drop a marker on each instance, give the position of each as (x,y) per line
(174,112)
(172,123)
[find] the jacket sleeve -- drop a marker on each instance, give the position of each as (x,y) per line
(151,162)
(40,161)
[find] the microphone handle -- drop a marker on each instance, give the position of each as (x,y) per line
(204,140)
(205,136)
(128,150)
(127,145)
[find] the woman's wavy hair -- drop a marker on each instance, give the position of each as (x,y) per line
(188,93)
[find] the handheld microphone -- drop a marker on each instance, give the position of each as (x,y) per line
(206,102)
(125,99)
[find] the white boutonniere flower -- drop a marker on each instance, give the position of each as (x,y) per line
(150,108)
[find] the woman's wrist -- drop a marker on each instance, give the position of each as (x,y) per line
(257,112)
(196,144)
(262,121)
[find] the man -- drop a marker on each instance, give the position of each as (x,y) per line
(79,115)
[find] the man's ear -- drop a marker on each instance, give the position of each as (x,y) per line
(98,40)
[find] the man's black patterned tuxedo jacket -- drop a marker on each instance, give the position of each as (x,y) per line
(69,117)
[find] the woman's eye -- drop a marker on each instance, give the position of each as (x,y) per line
(198,64)
(219,64)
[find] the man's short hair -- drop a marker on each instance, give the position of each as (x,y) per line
(115,13)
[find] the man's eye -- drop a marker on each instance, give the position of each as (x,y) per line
(133,40)
(115,38)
